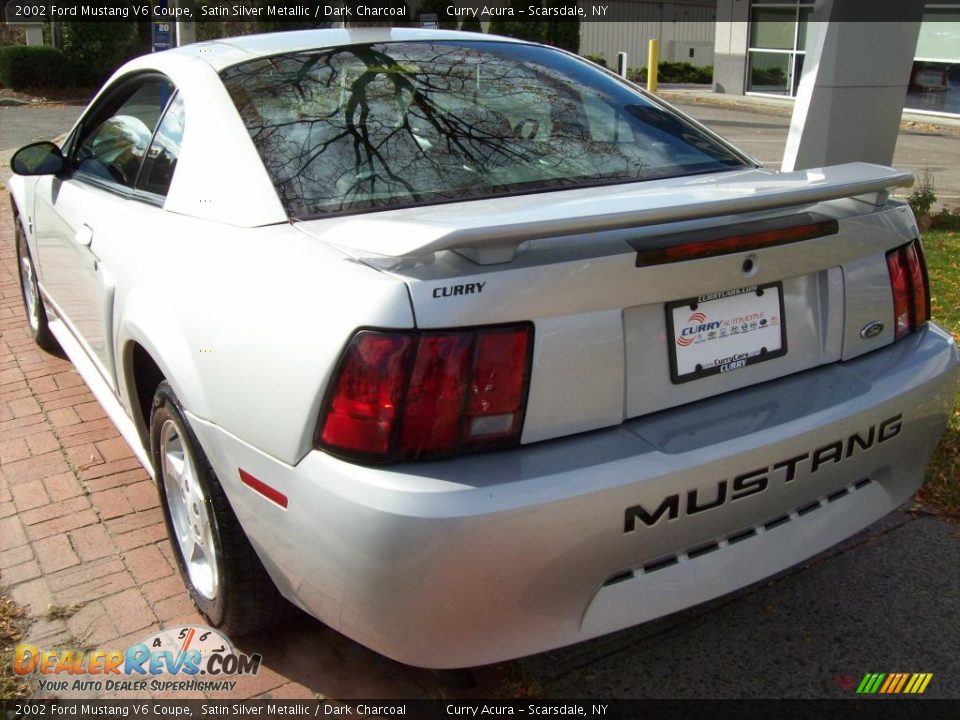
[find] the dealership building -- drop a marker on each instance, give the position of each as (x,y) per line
(757,47)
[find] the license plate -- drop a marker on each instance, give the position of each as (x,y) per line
(725,331)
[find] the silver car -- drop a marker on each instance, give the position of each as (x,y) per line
(468,347)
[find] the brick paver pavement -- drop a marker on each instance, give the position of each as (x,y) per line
(83,545)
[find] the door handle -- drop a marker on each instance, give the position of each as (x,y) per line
(84,235)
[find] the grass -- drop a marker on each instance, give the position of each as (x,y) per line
(11,686)
(941,491)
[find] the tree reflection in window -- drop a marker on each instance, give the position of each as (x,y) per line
(396,124)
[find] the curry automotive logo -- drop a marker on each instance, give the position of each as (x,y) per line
(696,324)
(168,660)
(894,683)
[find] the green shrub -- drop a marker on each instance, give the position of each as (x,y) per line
(471,25)
(674,72)
(98,48)
(947,219)
(598,59)
(684,72)
(767,76)
(924,195)
(25,67)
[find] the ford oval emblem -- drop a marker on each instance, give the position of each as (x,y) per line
(871,330)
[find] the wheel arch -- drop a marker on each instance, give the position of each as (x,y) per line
(152,347)
(143,378)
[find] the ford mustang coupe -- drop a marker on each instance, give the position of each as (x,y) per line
(468,347)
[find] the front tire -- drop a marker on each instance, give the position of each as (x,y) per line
(30,291)
(226,580)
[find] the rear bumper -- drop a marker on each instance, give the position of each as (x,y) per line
(474,560)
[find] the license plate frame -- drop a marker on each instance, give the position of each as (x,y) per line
(762,317)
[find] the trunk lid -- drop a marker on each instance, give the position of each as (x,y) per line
(607,323)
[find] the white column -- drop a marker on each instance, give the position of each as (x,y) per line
(853,86)
(186,30)
(731,40)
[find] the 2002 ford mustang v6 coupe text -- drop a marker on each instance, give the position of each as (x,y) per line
(468,347)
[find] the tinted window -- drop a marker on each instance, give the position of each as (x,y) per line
(161,159)
(397,124)
(114,149)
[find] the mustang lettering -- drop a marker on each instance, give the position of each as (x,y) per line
(756,481)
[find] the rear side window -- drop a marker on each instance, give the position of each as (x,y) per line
(410,123)
(115,148)
(161,158)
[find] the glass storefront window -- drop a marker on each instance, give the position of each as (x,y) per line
(934,86)
(778,39)
(935,76)
(769,72)
(773,28)
(779,34)
(939,36)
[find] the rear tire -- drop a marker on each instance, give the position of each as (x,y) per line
(30,292)
(226,580)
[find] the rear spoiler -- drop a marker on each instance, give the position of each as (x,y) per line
(489,231)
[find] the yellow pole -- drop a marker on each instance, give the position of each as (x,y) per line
(653,61)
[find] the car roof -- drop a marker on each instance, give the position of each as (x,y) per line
(223,53)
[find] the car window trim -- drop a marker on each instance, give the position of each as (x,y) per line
(118,189)
(163,115)
(113,98)
(109,100)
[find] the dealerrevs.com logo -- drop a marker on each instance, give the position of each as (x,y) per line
(189,658)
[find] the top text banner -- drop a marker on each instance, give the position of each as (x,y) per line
(325,11)
(392,12)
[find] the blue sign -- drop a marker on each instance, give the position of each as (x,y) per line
(162,36)
(162,31)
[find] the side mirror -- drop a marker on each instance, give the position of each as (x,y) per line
(41,158)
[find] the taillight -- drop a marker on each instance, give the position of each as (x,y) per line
(918,284)
(408,395)
(908,284)
(362,414)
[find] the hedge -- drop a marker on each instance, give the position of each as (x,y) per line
(98,48)
(675,72)
(24,67)
(598,59)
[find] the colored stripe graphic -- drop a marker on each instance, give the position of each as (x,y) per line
(901,682)
(891,680)
(922,683)
(894,683)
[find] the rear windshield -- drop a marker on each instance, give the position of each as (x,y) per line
(392,125)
